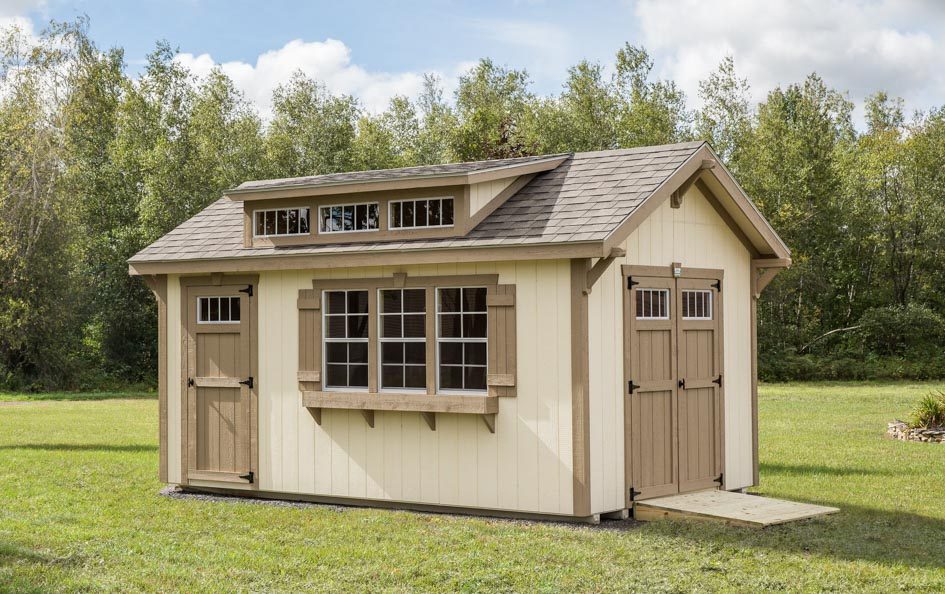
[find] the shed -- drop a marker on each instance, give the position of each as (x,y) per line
(559,335)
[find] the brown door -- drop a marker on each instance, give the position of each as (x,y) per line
(219,384)
(650,409)
(700,380)
(673,402)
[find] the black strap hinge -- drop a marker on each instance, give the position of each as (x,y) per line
(248,290)
(633,493)
(248,382)
(682,383)
(249,476)
(719,480)
(190,382)
(717,285)
(631,282)
(632,386)
(718,381)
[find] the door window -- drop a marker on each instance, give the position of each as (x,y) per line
(652,304)
(696,304)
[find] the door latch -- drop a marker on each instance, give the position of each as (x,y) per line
(190,382)
(248,382)
(682,383)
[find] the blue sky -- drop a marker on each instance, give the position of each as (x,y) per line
(377,49)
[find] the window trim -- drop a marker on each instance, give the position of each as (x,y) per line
(286,208)
(326,340)
(319,208)
(390,213)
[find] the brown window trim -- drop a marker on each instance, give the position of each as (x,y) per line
(316,397)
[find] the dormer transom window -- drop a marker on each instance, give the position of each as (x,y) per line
(280,222)
(348,217)
(421,214)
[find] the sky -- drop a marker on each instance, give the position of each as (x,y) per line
(375,50)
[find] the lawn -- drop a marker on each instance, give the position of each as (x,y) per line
(80,511)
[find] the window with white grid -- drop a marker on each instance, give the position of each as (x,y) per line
(652,304)
(218,310)
(280,221)
(346,339)
(422,213)
(462,323)
(696,304)
(403,333)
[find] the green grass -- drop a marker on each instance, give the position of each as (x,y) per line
(53,396)
(80,511)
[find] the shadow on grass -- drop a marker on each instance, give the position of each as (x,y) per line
(813,469)
(73,396)
(80,447)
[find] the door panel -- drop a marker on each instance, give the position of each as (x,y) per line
(219,397)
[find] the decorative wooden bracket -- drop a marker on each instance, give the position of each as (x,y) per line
(601,266)
(763,271)
(430,418)
(368,417)
(316,414)
(675,199)
(489,420)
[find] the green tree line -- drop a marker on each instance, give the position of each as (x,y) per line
(96,163)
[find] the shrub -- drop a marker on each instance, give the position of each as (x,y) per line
(930,411)
(899,331)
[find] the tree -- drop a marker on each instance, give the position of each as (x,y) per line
(649,112)
(725,117)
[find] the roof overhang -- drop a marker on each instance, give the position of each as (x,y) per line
(374,257)
(306,188)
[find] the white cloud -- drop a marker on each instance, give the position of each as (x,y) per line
(328,61)
(14,8)
(859,46)
(547,44)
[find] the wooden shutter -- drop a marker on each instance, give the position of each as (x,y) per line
(310,340)
(502,345)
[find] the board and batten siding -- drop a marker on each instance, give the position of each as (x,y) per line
(480,194)
(696,236)
(525,466)
(174,346)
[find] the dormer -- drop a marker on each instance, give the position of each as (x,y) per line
(427,202)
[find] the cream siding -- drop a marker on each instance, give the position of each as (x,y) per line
(525,466)
(480,194)
(697,237)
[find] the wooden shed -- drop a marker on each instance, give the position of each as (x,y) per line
(542,336)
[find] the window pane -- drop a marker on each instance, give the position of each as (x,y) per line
(450,326)
(447,207)
(357,352)
(407,213)
(415,326)
(336,352)
(451,378)
(204,309)
(475,353)
(357,326)
(348,218)
(260,223)
(390,301)
(235,309)
(336,302)
(415,353)
(415,300)
(392,376)
(214,309)
(336,327)
(415,377)
(451,353)
(449,299)
(391,327)
(392,352)
(474,299)
(282,222)
(420,213)
(357,376)
(224,309)
(475,378)
(292,217)
(303,221)
(335,219)
(474,325)
(395,214)
(433,208)
(337,375)
(357,302)
(270,222)
(372,217)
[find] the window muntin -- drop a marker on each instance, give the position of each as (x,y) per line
(280,222)
(218,310)
(402,330)
(696,304)
(421,213)
(652,304)
(348,218)
(346,339)
(462,322)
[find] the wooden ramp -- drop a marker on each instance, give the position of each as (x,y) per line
(728,507)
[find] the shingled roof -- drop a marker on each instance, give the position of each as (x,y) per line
(583,199)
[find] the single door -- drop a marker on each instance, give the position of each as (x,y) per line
(219,384)
(700,382)
(650,402)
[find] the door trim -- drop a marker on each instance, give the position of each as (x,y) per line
(630,270)
(216,280)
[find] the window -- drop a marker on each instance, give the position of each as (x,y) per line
(348,217)
(346,339)
(403,338)
(652,304)
(281,221)
(696,305)
(218,310)
(417,214)
(461,338)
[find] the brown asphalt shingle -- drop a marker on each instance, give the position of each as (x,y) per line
(583,199)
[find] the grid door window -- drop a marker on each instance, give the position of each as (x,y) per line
(652,304)
(428,212)
(403,339)
(348,217)
(462,323)
(218,310)
(281,221)
(696,304)
(346,339)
